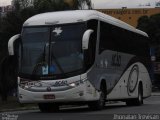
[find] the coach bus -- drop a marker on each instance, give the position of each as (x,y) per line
(80,57)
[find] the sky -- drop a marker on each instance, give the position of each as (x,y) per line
(110,3)
(5,2)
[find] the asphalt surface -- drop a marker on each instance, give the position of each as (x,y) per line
(118,111)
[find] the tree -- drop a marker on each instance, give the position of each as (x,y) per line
(50,5)
(81,4)
(151,25)
(8,76)
(60,5)
(10,25)
(21,4)
(17,6)
(57,5)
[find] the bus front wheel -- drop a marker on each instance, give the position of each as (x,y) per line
(99,104)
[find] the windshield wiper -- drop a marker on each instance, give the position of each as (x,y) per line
(56,61)
(42,60)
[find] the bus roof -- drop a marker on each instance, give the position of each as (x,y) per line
(75,16)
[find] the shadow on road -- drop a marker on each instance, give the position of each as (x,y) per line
(85,109)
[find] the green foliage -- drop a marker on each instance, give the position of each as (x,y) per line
(151,25)
(81,4)
(50,5)
(43,5)
(8,76)
(11,24)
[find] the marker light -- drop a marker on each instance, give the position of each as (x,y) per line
(77,83)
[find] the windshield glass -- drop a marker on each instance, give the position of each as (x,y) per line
(48,51)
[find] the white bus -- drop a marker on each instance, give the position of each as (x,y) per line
(81,57)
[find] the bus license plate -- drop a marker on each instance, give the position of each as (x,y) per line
(49,96)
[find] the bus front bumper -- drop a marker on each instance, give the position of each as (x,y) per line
(84,92)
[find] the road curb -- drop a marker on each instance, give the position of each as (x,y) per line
(155,94)
(18,109)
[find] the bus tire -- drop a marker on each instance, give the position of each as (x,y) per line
(139,100)
(48,107)
(99,104)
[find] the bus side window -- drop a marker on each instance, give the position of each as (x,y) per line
(107,41)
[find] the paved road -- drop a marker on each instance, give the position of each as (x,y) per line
(151,106)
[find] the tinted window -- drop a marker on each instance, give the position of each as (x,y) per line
(107,40)
(121,40)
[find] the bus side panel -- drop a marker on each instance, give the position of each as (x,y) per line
(146,81)
(129,82)
(106,68)
(117,69)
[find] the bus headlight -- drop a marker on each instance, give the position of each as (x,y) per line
(23,83)
(26,87)
(72,85)
(77,83)
(26,84)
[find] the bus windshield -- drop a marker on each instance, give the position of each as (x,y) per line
(52,50)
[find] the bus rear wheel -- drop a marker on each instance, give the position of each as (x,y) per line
(139,100)
(48,107)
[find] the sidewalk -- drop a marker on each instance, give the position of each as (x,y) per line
(18,109)
(155,93)
(13,105)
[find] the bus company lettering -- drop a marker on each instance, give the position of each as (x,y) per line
(60,83)
(116,60)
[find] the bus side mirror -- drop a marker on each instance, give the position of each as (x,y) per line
(85,39)
(11,44)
